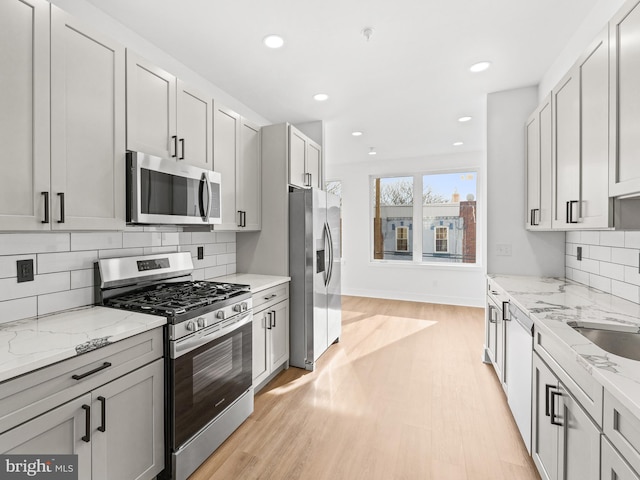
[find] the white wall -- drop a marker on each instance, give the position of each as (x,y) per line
(109,26)
(450,284)
(532,253)
(580,40)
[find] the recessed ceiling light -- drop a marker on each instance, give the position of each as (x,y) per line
(464,119)
(273,41)
(320,97)
(479,67)
(457,144)
(372,151)
(356,134)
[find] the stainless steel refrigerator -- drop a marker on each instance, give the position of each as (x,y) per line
(314,267)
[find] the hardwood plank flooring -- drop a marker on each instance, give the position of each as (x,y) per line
(404,395)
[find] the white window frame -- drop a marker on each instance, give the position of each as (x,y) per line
(435,238)
(406,238)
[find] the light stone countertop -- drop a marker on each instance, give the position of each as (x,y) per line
(552,302)
(255,281)
(33,343)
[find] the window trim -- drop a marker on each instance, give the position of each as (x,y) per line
(405,238)
(435,238)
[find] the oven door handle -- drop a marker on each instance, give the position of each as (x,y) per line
(187,345)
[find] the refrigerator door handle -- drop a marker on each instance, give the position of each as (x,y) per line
(329,246)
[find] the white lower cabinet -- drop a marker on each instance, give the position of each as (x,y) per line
(115,428)
(566,442)
(270,333)
(613,466)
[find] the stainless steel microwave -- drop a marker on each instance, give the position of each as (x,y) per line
(162,191)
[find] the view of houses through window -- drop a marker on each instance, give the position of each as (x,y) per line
(446,205)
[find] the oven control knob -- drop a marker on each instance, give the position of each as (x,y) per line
(237,308)
(244,306)
(192,326)
(202,322)
(220,315)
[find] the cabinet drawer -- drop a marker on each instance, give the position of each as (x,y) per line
(622,429)
(270,296)
(570,369)
(613,465)
(500,298)
(34,393)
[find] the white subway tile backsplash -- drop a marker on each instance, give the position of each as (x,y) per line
(203,237)
(572,262)
(573,237)
(632,239)
(600,283)
(231,247)
(55,302)
(581,277)
(152,250)
(231,268)
(205,262)
(141,239)
(626,291)
(41,284)
(226,237)
(215,248)
(170,238)
(198,274)
(625,256)
(18,309)
(590,238)
(21,243)
(226,259)
(122,252)
(612,270)
(8,266)
(631,275)
(82,278)
(184,238)
(599,253)
(62,262)
(96,240)
(213,272)
(612,239)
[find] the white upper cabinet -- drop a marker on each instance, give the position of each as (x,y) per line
(166,117)
(624,154)
(305,160)
(580,106)
(539,149)
(87,128)
(237,157)
(62,120)
(24,114)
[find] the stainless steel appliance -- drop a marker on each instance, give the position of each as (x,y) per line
(209,333)
(161,191)
(314,266)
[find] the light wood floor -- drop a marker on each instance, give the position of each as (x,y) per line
(404,395)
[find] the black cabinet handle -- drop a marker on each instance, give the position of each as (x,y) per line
(491,310)
(268,320)
(553,408)
(570,211)
(95,370)
(103,416)
(505,311)
(308,179)
(244,218)
(87,423)
(175,146)
(273,318)
(46,207)
(534,218)
(547,387)
(531,217)
(61,196)
(182,144)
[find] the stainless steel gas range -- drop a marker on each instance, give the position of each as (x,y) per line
(208,349)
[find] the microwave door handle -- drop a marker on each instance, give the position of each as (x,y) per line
(204,212)
(210,194)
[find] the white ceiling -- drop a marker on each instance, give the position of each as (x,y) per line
(405,88)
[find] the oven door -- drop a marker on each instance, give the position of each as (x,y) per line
(209,378)
(161,191)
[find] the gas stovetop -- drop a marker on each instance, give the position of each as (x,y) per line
(179,301)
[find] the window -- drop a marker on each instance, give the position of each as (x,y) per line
(441,239)
(402,236)
(445,204)
(335,188)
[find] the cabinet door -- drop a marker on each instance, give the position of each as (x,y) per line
(544,445)
(128,422)
(24,114)
(87,127)
(249,176)
(500,344)
(613,466)
(491,332)
(279,334)
(314,165)
(546,164)
(195,131)
(151,108)
(624,168)
(566,98)
(579,452)
(59,431)
(260,362)
(226,143)
(594,134)
(532,150)
(297,158)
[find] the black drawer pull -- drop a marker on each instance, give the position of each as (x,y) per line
(553,408)
(46,207)
(61,195)
(87,423)
(271,296)
(103,421)
(95,370)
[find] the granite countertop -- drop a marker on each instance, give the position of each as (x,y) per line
(29,344)
(553,302)
(255,281)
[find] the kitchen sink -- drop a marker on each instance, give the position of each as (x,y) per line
(619,342)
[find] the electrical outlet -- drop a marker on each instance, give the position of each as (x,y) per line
(579,254)
(25,270)
(503,249)
(200,253)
